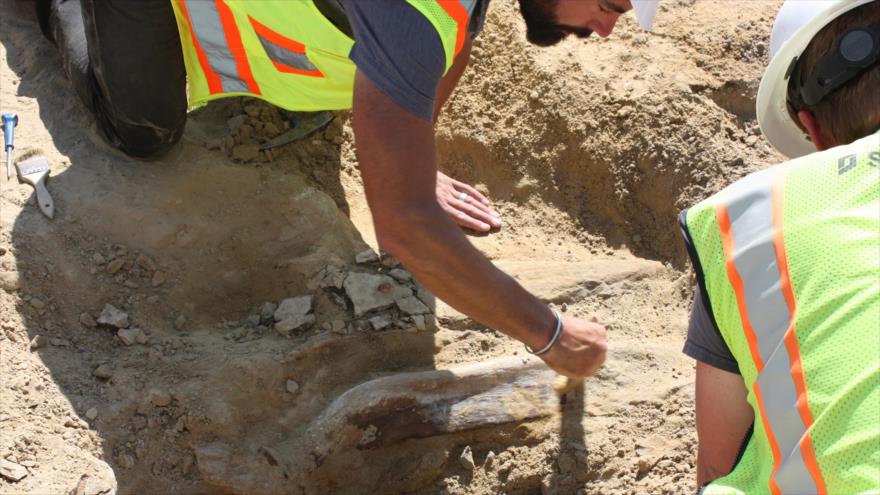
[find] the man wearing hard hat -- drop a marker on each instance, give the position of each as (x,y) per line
(786,320)
(395,62)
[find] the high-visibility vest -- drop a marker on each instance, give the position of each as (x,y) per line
(285,51)
(789,259)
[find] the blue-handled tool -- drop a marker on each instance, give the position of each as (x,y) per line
(10,120)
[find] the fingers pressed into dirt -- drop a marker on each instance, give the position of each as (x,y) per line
(483,216)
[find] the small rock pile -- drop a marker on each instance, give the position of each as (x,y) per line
(375,295)
(252,122)
(130,270)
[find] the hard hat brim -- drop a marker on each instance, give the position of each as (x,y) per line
(771,105)
(645,11)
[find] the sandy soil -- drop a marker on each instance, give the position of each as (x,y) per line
(589,150)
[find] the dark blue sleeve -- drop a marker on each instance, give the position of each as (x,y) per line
(399,50)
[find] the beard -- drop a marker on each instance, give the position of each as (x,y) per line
(541,26)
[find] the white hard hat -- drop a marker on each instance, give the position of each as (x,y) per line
(796,24)
(645,11)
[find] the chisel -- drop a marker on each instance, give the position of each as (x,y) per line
(10,120)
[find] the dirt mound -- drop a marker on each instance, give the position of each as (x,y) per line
(261,345)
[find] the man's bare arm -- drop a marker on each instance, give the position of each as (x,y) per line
(723,418)
(397,157)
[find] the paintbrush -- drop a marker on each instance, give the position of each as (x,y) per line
(34,170)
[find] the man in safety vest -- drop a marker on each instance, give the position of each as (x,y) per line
(394,62)
(786,320)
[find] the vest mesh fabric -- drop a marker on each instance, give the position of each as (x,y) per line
(831,231)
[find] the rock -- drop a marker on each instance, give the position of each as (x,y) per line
(252,110)
(400,275)
(115,265)
(292,314)
(87,320)
(59,342)
(39,341)
(367,256)
(92,413)
(179,322)
(129,336)
(381,321)
(235,122)
(284,327)
(426,297)
(293,307)
(389,261)
(158,279)
(412,306)
(38,304)
(153,299)
(292,387)
(160,398)
(246,152)
(91,485)
(114,317)
(267,312)
(126,461)
(331,276)
(9,281)
(99,259)
(419,321)
(369,291)
(131,284)
(467,458)
(338,326)
(12,471)
(146,262)
(103,372)
(490,460)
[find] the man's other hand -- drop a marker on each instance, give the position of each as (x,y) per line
(580,350)
(467,206)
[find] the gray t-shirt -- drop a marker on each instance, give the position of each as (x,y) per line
(399,50)
(704,342)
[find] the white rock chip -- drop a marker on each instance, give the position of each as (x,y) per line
(114,317)
(92,413)
(467,458)
(381,321)
(39,341)
(292,387)
(371,291)
(292,314)
(367,256)
(412,306)
(12,471)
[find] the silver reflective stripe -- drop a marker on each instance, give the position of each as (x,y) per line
(750,209)
(468,5)
(208,29)
(287,57)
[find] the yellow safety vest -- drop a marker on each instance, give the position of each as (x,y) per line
(285,51)
(789,258)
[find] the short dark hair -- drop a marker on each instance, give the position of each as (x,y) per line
(852,111)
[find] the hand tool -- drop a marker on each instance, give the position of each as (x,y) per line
(302,127)
(10,120)
(34,171)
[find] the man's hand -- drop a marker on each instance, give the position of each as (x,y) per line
(467,206)
(580,350)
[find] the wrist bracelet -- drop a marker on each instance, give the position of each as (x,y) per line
(553,339)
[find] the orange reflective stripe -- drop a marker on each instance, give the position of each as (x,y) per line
(236,47)
(723,219)
(790,339)
(277,38)
(267,34)
(460,15)
(214,84)
(774,447)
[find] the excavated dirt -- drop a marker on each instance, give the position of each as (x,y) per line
(589,150)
